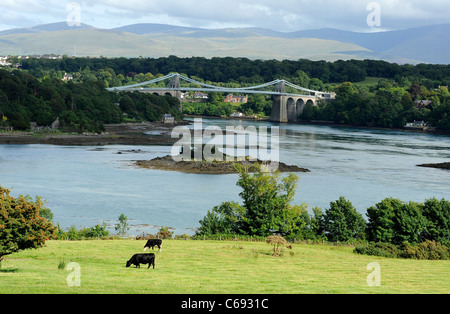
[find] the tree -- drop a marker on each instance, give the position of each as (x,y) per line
(342,222)
(278,243)
(266,207)
(437,215)
(127,104)
(265,200)
(308,113)
(394,221)
(345,90)
(223,219)
(21,225)
(415,90)
(380,225)
(409,223)
(122,226)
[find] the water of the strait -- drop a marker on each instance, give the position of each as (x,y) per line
(85,186)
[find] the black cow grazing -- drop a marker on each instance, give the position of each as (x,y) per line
(152,243)
(139,259)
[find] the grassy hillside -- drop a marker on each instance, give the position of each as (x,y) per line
(199,267)
(85,42)
(109,43)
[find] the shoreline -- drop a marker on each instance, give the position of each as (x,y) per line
(325,123)
(442,165)
(133,134)
(122,134)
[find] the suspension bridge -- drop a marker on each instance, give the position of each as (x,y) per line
(289,99)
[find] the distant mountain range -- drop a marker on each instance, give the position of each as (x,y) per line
(427,44)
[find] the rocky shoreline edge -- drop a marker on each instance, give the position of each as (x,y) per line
(167,163)
(443,165)
(115,134)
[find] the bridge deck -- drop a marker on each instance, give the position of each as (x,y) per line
(221,90)
(280,87)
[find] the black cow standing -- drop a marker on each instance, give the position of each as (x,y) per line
(152,243)
(139,259)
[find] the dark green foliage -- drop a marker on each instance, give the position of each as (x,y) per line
(428,250)
(81,107)
(223,219)
(149,107)
(208,109)
(342,222)
(95,232)
(388,105)
(233,69)
(394,221)
(437,215)
(378,249)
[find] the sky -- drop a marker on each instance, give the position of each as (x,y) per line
(284,16)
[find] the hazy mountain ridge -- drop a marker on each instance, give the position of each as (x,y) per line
(422,44)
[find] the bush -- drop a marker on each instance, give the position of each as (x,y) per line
(164,233)
(96,232)
(378,249)
(21,226)
(429,250)
(228,237)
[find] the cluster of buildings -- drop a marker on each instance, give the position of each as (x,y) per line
(236,99)
(46,56)
(4,61)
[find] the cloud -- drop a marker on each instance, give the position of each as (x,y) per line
(287,15)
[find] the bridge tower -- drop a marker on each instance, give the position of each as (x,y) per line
(175,84)
(279,108)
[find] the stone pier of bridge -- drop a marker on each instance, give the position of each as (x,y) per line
(175,92)
(287,108)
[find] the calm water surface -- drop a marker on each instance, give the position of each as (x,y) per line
(85,186)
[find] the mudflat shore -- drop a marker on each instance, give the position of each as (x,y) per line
(122,134)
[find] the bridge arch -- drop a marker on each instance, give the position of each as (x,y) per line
(300,105)
(310,102)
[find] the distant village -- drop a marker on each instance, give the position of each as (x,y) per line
(4,59)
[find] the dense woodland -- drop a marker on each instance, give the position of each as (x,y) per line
(244,70)
(369,92)
(81,107)
(388,104)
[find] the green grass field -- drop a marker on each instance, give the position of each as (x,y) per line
(214,267)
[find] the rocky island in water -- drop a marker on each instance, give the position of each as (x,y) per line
(209,167)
